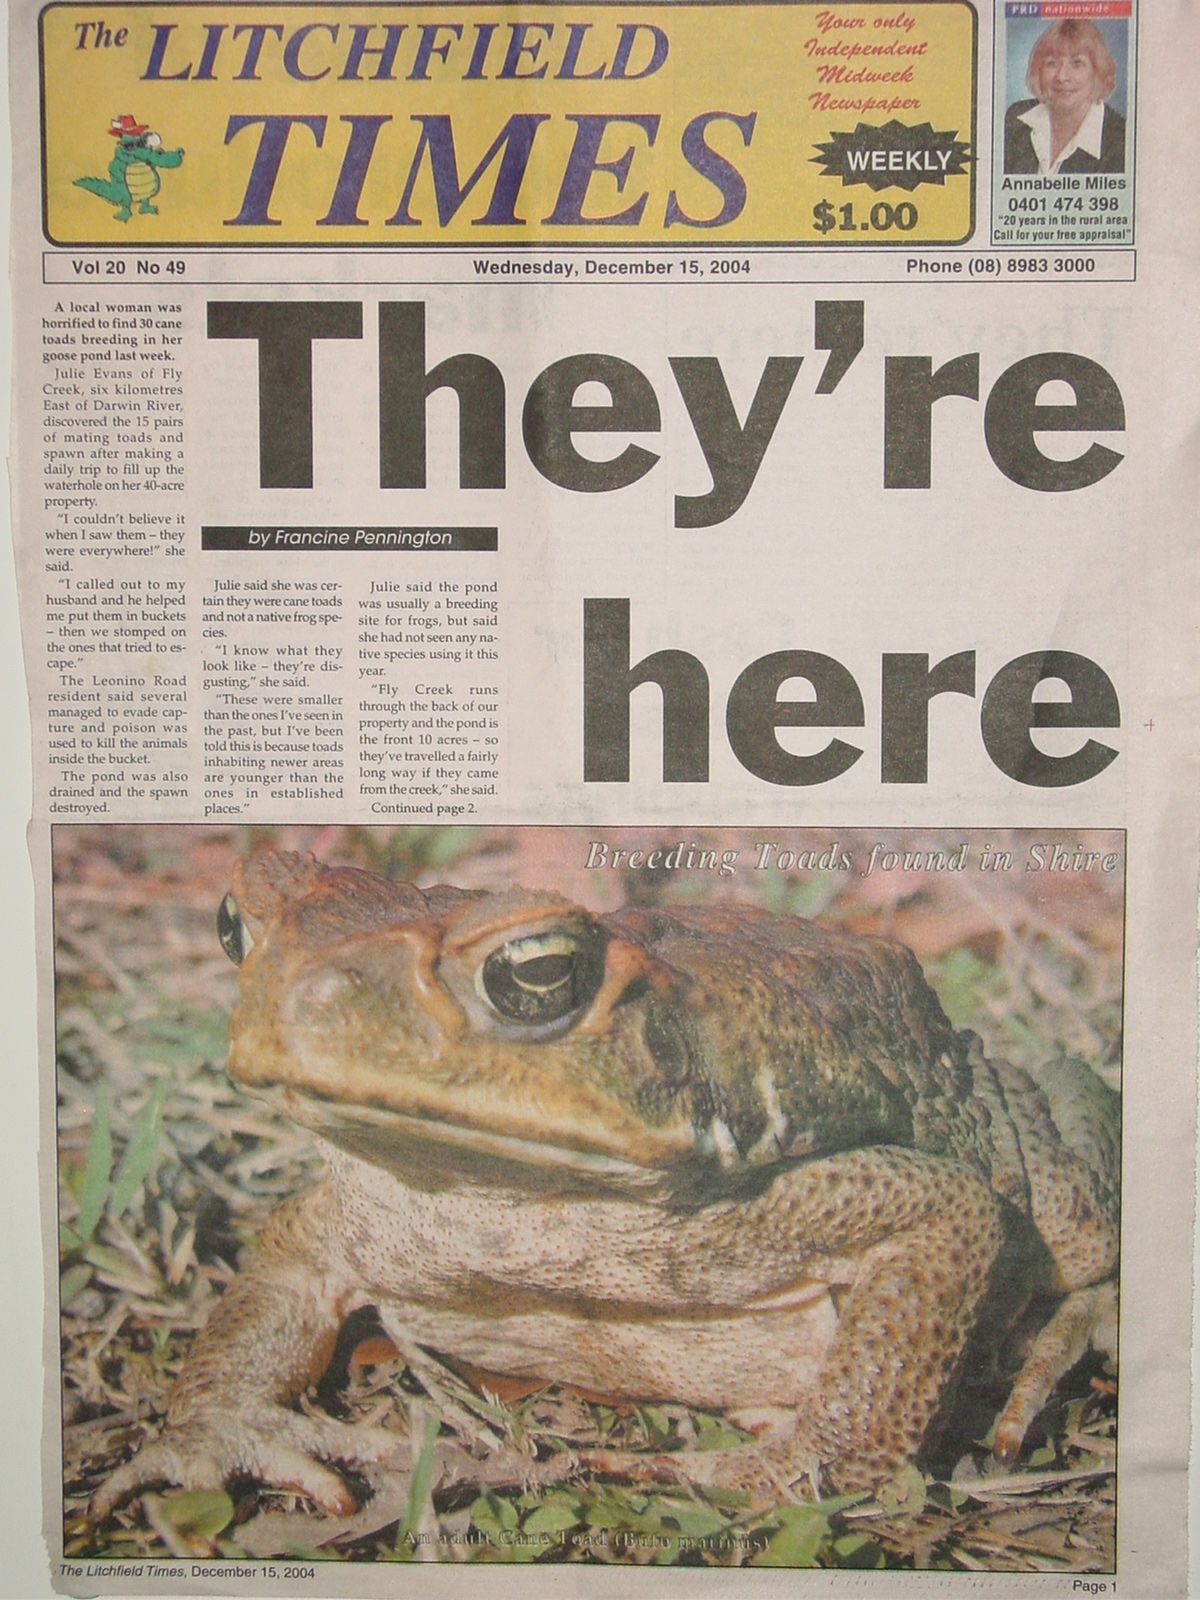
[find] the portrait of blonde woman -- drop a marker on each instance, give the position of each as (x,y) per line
(1068,125)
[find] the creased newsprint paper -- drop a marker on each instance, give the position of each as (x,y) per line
(608,600)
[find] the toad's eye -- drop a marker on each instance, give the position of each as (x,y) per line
(544,978)
(236,939)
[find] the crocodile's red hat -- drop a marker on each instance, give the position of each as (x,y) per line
(119,126)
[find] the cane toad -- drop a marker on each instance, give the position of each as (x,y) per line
(705,1155)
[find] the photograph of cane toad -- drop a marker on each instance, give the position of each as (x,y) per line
(649,1196)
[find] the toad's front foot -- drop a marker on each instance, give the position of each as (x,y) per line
(276,1446)
(1086,1319)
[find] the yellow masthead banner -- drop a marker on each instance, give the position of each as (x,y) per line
(472,124)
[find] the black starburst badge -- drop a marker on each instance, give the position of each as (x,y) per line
(893,156)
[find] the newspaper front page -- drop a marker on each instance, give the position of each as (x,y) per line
(606,592)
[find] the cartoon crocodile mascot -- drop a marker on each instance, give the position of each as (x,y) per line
(133,177)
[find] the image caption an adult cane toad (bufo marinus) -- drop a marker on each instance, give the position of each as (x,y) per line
(708,1155)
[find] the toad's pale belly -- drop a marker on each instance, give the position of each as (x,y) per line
(582,1294)
(765,1359)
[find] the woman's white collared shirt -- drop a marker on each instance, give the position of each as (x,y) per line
(1037,119)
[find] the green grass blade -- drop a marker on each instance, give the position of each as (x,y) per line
(420,1489)
(138,1160)
(94,1189)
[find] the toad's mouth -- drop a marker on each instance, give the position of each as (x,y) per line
(433,1152)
